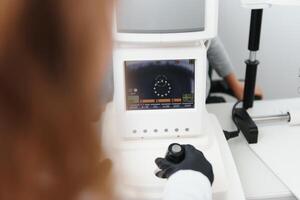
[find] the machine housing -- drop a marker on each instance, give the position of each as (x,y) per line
(137,129)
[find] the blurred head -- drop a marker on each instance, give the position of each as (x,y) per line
(53,55)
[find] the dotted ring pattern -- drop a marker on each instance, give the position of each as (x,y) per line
(156,85)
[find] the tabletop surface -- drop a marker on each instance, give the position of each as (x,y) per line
(258,181)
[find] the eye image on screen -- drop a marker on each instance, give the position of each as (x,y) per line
(160,84)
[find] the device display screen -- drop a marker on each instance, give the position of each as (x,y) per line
(160,84)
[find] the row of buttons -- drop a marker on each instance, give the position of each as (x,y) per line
(156,130)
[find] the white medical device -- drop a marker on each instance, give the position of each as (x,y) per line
(143,21)
(160,68)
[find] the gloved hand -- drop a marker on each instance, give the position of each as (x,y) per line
(194,160)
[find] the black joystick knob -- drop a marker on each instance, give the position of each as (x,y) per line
(175,153)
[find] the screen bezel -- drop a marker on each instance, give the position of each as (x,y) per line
(159,119)
(210,30)
(197,52)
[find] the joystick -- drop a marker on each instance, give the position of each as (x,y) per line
(175,153)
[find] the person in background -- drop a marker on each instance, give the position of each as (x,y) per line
(52,58)
(219,60)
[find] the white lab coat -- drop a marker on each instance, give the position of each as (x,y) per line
(188,185)
(183,185)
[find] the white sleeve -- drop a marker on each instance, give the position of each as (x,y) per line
(188,185)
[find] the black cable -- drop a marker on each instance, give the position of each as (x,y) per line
(232,134)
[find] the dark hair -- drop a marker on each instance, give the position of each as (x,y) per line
(48,149)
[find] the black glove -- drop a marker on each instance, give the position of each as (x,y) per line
(193,160)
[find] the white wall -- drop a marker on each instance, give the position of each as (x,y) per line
(279,71)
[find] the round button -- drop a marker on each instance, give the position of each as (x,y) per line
(175,153)
(176,148)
